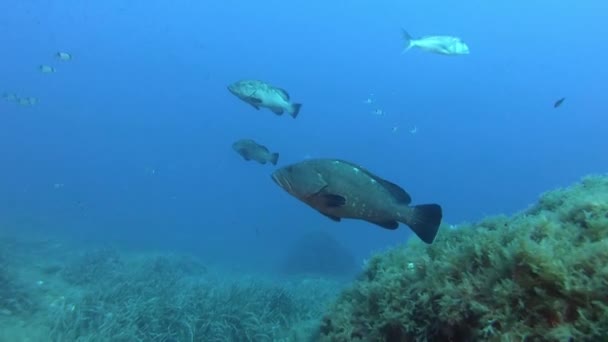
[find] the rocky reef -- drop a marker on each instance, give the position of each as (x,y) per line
(540,275)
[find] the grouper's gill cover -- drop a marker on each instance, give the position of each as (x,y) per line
(300,181)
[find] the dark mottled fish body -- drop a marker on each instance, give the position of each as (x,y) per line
(251,150)
(340,189)
(260,94)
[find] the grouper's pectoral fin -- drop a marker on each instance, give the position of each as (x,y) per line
(254,105)
(254,102)
(245,154)
(333,201)
(392,225)
(331,217)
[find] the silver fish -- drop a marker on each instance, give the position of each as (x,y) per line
(444,45)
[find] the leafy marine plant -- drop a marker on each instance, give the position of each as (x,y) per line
(541,275)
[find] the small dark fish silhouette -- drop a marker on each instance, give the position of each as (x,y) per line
(559,102)
(339,189)
(249,149)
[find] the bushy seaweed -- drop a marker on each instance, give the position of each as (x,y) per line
(541,275)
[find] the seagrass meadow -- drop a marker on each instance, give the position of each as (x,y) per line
(539,275)
(106,295)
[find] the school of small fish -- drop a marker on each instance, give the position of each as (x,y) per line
(27,101)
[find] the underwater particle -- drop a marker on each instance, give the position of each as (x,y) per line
(378,112)
(414,130)
(46,69)
(251,150)
(260,94)
(558,102)
(411,266)
(443,45)
(40,282)
(395,129)
(370,99)
(339,189)
(57,302)
(63,56)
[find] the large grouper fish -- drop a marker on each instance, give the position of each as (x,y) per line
(340,189)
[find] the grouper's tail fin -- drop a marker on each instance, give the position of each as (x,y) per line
(425,221)
(407,41)
(295,109)
(274,158)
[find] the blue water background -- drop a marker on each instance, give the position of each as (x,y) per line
(130,142)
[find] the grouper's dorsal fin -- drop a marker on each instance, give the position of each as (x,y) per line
(398,193)
(395,190)
(284,94)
